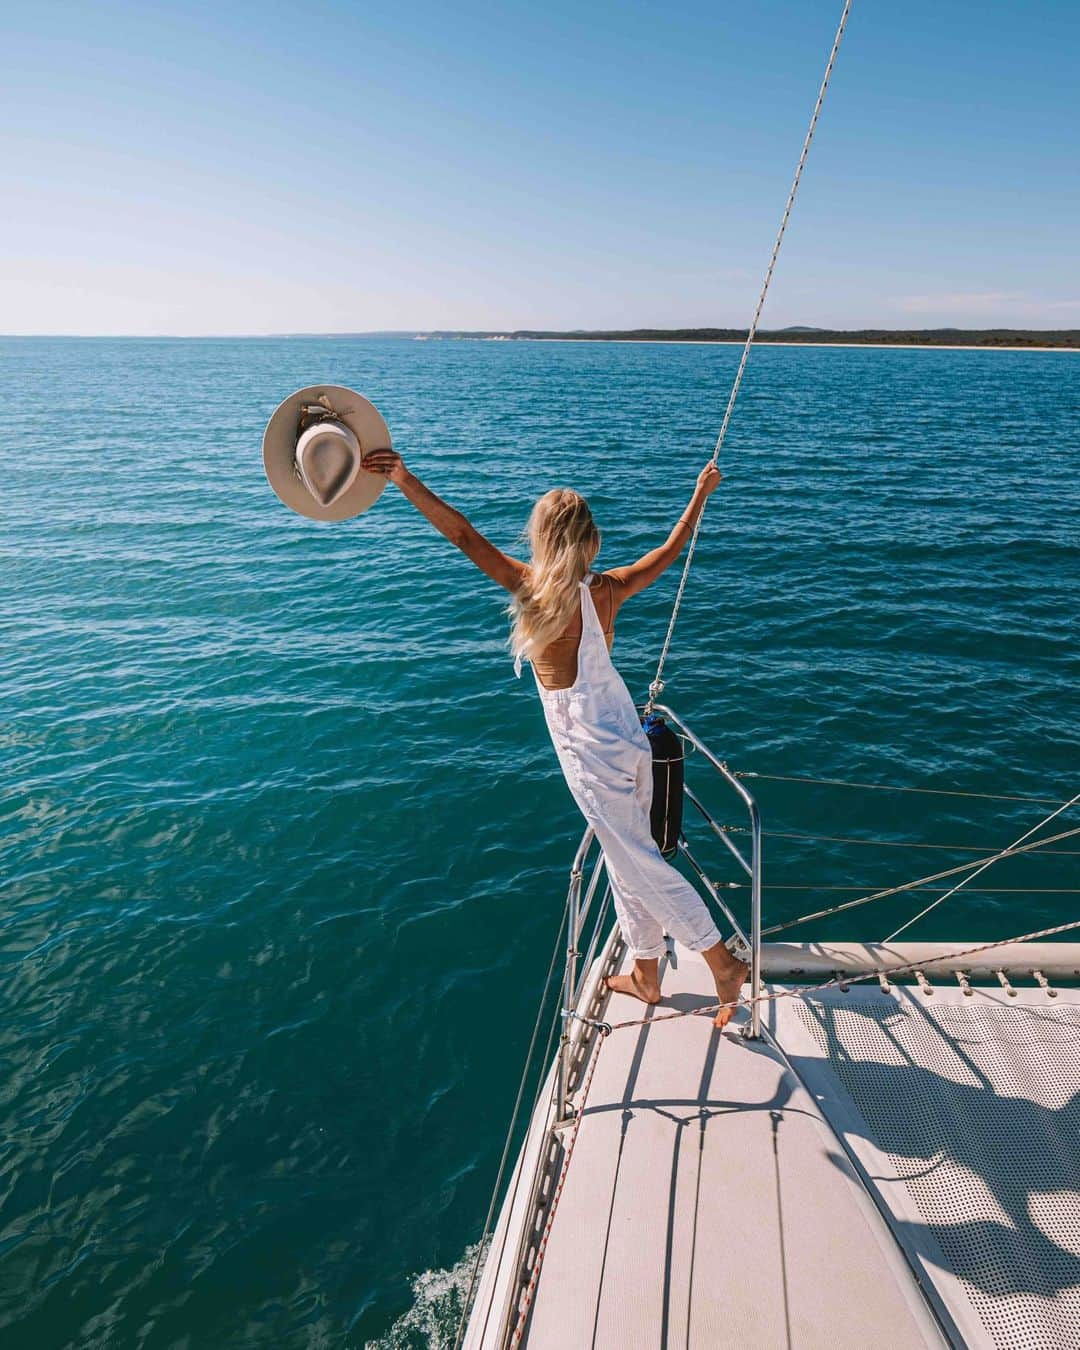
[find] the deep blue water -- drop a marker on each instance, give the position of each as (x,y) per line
(283,845)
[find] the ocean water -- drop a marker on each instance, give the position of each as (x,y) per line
(282,842)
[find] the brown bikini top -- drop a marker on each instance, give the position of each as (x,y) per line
(556,665)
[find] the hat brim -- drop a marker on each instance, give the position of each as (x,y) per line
(279,450)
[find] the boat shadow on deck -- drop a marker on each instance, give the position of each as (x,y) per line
(974,1108)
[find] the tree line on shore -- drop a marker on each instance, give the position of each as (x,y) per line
(913,337)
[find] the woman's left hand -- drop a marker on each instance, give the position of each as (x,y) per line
(708,480)
(388,463)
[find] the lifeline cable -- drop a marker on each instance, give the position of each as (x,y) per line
(919,881)
(513,1122)
(883,843)
(895,787)
(971,877)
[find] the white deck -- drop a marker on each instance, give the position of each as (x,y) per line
(707,1204)
(896,1169)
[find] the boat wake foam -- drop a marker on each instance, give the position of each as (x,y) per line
(432,1321)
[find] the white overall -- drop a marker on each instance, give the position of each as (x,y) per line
(607,762)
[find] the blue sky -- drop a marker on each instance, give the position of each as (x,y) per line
(287,167)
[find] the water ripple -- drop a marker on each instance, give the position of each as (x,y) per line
(279,830)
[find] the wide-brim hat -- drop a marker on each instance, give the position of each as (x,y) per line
(332,428)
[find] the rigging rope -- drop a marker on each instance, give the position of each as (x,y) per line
(941,898)
(657,685)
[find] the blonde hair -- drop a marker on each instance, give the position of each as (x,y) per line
(563,541)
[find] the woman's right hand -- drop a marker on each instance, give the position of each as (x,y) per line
(387,463)
(708,480)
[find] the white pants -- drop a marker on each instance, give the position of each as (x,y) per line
(607,762)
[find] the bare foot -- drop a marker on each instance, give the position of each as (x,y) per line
(636,985)
(729,975)
(728,989)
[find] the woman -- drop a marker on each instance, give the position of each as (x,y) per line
(563,618)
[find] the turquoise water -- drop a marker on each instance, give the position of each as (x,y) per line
(283,845)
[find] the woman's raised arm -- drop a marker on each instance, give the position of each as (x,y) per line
(499,566)
(644,572)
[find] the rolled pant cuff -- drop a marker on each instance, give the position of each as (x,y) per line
(702,944)
(648,953)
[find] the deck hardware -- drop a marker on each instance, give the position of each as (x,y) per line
(841,982)
(963,981)
(924,983)
(1044,983)
(738,948)
(605,1028)
(885,986)
(1003,980)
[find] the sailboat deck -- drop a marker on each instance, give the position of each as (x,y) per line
(708,1204)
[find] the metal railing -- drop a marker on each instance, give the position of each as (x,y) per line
(582,898)
(753,868)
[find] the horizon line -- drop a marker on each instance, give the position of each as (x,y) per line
(806,330)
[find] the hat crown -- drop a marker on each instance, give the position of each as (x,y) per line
(305,475)
(328,460)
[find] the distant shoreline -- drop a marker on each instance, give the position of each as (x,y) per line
(734,342)
(962,339)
